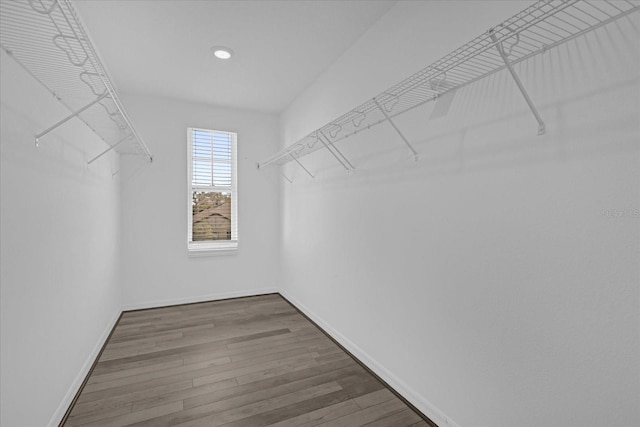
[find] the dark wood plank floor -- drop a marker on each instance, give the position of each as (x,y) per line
(246,362)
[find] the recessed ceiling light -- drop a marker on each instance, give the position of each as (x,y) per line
(222,52)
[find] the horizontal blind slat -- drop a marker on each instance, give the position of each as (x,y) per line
(213,189)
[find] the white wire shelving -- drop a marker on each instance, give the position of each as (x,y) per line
(538,28)
(48,40)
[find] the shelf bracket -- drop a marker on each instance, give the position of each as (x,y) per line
(66,119)
(301,165)
(109,149)
(532,107)
(344,161)
(286,177)
(386,116)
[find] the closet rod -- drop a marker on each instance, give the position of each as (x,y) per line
(48,39)
(544,25)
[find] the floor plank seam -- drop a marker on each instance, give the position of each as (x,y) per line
(243,361)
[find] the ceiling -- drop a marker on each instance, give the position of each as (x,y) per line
(164,47)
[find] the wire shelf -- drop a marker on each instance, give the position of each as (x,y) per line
(47,38)
(541,26)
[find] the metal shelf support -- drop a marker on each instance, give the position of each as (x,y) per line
(286,177)
(523,91)
(391,122)
(110,148)
(542,26)
(48,40)
(302,166)
(326,142)
(66,119)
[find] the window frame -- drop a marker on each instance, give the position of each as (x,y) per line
(212,247)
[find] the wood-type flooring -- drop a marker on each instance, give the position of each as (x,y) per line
(244,362)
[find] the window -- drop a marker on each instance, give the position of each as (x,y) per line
(213,193)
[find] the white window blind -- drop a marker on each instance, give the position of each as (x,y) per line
(213,192)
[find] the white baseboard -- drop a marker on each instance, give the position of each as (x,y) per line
(77,382)
(400,386)
(201,298)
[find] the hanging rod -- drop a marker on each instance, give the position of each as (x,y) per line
(49,41)
(538,28)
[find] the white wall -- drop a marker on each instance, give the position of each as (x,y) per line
(156,268)
(495,282)
(60,226)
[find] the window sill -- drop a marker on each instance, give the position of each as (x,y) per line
(212,249)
